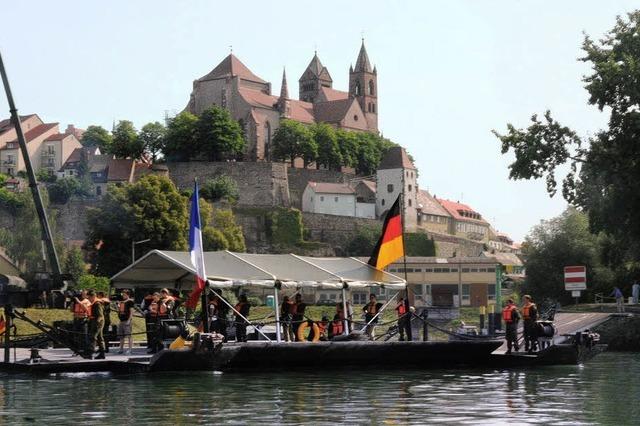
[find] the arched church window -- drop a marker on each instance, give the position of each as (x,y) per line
(373,107)
(371,88)
(357,89)
(267,141)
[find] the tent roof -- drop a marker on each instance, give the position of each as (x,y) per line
(160,268)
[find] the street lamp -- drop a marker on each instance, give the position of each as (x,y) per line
(133,248)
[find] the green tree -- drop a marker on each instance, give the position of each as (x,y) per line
(219,188)
(74,264)
(150,208)
(559,242)
(604,171)
(225,222)
(348,144)
(218,136)
(294,140)
(363,242)
(89,281)
(180,139)
(63,189)
(152,137)
(97,136)
(326,140)
(125,141)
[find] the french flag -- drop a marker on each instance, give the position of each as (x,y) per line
(195,249)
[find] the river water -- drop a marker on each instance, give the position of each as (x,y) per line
(605,390)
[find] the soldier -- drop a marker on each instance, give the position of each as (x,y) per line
(96,324)
(511,316)
(529,318)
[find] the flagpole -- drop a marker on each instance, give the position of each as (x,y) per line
(404,264)
(205,290)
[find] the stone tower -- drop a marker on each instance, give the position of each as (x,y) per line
(313,78)
(363,85)
(396,174)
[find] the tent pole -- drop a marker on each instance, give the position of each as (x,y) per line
(345,313)
(276,308)
(380,311)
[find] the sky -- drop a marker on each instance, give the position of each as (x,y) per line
(448,72)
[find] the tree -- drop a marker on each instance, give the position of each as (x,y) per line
(604,171)
(225,222)
(63,189)
(554,244)
(219,188)
(97,136)
(348,145)
(218,136)
(363,242)
(180,139)
(93,282)
(152,136)
(125,141)
(150,208)
(325,138)
(74,264)
(293,140)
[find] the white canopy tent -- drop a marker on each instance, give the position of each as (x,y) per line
(160,268)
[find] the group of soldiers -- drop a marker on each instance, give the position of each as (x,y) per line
(511,317)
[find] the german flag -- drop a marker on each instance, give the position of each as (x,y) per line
(390,246)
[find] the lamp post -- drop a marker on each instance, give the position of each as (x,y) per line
(133,248)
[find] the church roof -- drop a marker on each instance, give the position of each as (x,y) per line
(332,111)
(332,94)
(301,111)
(362,63)
(231,67)
(316,68)
(298,110)
(257,98)
(396,158)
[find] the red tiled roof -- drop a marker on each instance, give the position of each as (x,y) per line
(258,98)
(231,67)
(301,111)
(56,137)
(6,123)
(331,188)
(396,158)
(38,131)
(120,169)
(76,156)
(455,210)
(332,111)
(429,205)
(333,95)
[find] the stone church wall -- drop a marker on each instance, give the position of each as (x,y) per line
(259,184)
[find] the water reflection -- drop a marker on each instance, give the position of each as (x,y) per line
(604,391)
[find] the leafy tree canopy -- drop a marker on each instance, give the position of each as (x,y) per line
(219,188)
(152,137)
(180,137)
(604,171)
(292,140)
(125,141)
(329,154)
(218,136)
(97,136)
(74,264)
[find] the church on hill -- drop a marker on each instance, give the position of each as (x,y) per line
(233,86)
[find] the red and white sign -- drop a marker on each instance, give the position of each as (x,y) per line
(575,278)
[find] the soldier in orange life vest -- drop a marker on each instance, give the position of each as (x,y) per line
(80,309)
(511,316)
(337,327)
(96,324)
(242,307)
(403,320)
(286,315)
(125,314)
(371,309)
(529,318)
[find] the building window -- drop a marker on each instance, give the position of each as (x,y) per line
(466,299)
(382,202)
(371,88)
(357,89)
(335,199)
(373,108)
(409,188)
(390,187)
(267,141)
(98,191)
(312,199)
(409,202)
(355,118)
(491,293)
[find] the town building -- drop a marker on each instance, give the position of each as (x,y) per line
(466,222)
(432,216)
(84,155)
(329,198)
(48,148)
(396,173)
(249,99)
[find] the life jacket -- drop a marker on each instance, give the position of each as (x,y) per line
(122,307)
(92,314)
(507,313)
(336,328)
(526,310)
(292,307)
(401,308)
(340,312)
(322,327)
(372,308)
(79,310)
(163,310)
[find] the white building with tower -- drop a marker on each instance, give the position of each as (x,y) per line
(396,171)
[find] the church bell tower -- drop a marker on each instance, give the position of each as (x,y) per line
(363,85)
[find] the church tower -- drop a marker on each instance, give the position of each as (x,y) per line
(313,78)
(363,85)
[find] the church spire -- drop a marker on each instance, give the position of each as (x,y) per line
(363,64)
(284,90)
